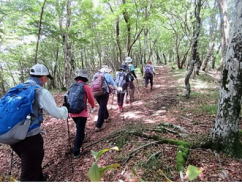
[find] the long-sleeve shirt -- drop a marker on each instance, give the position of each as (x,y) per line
(47,102)
(90,98)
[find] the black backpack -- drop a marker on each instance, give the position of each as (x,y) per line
(122,81)
(75,98)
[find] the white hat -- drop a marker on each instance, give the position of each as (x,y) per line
(128,60)
(105,69)
(81,73)
(40,70)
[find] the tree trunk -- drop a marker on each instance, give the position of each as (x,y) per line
(225,134)
(207,58)
(224,27)
(68,56)
(195,62)
(39,33)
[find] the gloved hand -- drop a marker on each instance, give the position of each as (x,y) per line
(66,105)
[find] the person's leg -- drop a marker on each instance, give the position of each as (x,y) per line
(119,99)
(132,89)
(31,153)
(80,134)
(151,82)
(146,80)
(103,112)
(105,106)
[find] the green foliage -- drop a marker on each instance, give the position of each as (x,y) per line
(95,172)
(193,172)
(181,157)
(209,109)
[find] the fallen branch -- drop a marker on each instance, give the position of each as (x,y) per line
(105,138)
(161,140)
(136,150)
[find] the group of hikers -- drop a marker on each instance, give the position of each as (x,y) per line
(30,146)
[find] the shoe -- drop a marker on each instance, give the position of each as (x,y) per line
(99,129)
(107,120)
(76,155)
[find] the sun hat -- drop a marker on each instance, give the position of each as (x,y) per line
(40,70)
(105,69)
(128,60)
(81,73)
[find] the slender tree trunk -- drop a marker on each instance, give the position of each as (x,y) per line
(195,62)
(207,58)
(39,32)
(224,27)
(2,81)
(225,133)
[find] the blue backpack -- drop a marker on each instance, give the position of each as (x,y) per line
(15,110)
(75,98)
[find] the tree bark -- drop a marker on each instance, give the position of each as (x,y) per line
(195,62)
(39,33)
(224,27)
(225,133)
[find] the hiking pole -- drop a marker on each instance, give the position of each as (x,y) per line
(11,163)
(112,101)
(69,143)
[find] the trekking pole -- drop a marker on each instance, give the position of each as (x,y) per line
(69,142)
(112,101)
(11,164)
(68,132)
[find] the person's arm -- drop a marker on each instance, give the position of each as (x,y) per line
(47,102)
(90,96)
(109,79)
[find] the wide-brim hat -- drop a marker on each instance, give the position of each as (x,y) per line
(105,69)
(81,73)
(128,60)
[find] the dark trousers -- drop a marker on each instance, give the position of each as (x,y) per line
(149,78)
(80,133)
(131,91)
(31,153)
(120,97)
(103,111)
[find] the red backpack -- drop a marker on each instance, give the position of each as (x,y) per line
(98,85)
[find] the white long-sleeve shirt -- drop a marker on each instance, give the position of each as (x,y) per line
(47,102)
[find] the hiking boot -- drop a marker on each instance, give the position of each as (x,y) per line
(107,120)
(99,129)
(76,155)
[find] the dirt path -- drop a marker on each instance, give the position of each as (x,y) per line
(149,108)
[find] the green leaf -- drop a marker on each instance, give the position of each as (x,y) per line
(108,167)
(98,154)
(193,172)
(94,173)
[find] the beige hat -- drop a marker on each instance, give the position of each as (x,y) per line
(128,60)
(105,69)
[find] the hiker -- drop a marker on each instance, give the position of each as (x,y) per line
(30,150)
(132,76)
(128,61)
(149,73)
(79,92)
(102,86)
(122,81)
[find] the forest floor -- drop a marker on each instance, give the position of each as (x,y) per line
(140,158)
